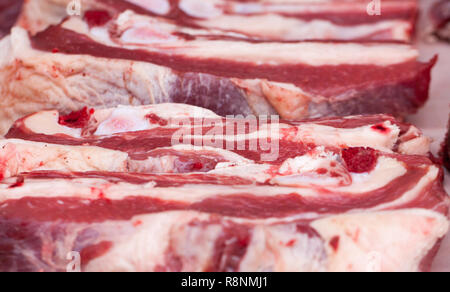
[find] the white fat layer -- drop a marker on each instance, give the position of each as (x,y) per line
(145,242)
(5,51)
(157,6)
(131,119)
(144,249)
(386,170)
(201,9)
(311,53)
(231,157)
(82,187)
(414,143)
(395,241)
(279,27)
(257,172)
(308,163)
(318,167)
(116,120)
(431,176)
(47,123)
(364,136)
(417,146)
(169,163)
(18,156)
(382,241)
(306,133)
(283,249)
(214,8)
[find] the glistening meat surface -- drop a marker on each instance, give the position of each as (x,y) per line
(358,195)
(138,59)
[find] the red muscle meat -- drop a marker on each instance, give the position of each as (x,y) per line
(77,119)
(361,189)
(152,60)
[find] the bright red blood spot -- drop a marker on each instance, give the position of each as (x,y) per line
(334,174)
(322,171)
(334,243)
(360,160)
(96,17)
(20,181)
(137,223)
(244,241)
(381,128)
(197,166)
(95,251)
(55,50)
(101,195)
(154,119)
(77,119)
(291,243)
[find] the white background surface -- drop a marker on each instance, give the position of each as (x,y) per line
(434,117)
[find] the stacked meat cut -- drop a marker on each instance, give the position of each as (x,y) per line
(257,20)
(218,135)
(139,59)
(174,188)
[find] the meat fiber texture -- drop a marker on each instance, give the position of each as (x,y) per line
(257,20)
(136,59)
(187,190)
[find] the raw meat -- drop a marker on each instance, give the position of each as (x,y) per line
(359,194)
(262,20)
(440,16)
(135,59)
(151,134)
(9,12)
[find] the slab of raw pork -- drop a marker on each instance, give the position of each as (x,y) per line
(9,12)
(262,20)
(186,190)
(137,59)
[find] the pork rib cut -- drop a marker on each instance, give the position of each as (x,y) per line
(137,59)
(258,20)
(358,195)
